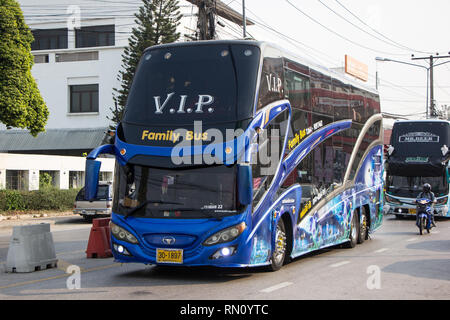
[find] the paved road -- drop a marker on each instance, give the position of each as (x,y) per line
(396,263)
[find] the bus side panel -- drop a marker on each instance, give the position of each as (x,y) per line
(264,236)
(369,182)
(330,225)
(325,227)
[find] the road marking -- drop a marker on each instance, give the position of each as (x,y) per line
(435,232)
(276,287)
(381,250)
(411,240)
(335,265)
(69,252)
(63,265)
(58,276)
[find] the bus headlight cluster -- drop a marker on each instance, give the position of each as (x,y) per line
(225,235)
(121,249)
(122,234)
(223,253)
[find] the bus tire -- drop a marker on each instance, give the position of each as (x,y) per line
(279,252)
(354,231)
(363,226)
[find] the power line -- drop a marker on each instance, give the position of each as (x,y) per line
(260,22)
(366,32)
(377,32)
(338,34)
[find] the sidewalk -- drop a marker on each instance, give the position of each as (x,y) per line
(8,222)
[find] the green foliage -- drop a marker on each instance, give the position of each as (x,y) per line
(21,104)
(11,200)
(45,180)
(157,22)
(49,198)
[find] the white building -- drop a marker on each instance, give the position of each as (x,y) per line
(76,70)
(21,171)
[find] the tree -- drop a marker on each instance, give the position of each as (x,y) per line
(21,104)
(157,23)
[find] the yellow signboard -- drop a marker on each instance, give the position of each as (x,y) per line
(356,68)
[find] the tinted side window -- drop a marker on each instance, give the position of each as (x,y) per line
(297,89)
(266,159)
(271,86)
(371,135)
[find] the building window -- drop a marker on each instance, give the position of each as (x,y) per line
(48,178)
(45,39)
(41,58)
(96,36)
(84,98)
(76,56)
(105,176)
(16,180)
(76,179)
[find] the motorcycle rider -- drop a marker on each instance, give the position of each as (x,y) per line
(426,193)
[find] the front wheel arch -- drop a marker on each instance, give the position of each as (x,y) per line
(286,224)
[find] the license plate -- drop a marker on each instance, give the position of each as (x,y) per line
(169,255)
(412,211)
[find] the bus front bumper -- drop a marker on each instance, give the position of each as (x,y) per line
(233,254)
(180,251)
(409,210)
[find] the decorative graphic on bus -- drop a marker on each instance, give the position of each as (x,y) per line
(303,133)
(419,137)
(203,100)
(416,159)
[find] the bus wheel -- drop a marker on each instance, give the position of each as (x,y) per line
(363,227)
(354,231)
(279,251)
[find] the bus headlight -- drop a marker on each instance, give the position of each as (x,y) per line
(441,200)
(225,235)
(122,234)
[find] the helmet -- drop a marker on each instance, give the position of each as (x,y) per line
(426,187)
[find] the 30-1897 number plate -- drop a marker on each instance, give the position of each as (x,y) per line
(169,255)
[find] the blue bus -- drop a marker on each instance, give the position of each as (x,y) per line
(418,153)
(235,153)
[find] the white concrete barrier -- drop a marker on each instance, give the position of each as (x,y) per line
(31,248)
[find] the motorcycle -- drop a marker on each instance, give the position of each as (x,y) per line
(423,220)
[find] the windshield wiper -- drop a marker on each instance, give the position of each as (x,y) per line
(143,204)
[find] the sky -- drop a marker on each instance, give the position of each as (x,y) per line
(326,30)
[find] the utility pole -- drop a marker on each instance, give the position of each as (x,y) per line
(243,20)
(431,60)
(206,19)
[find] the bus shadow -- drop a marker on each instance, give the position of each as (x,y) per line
(434,245)
(437,269)
(178,275)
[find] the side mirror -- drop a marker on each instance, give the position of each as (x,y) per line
(245,184)
(91,179)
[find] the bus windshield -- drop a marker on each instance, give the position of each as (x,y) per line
(415,140)
(175,193)
(410,187)
(178,85)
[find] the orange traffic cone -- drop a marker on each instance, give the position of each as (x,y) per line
(99,245)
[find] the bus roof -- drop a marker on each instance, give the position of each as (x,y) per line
(286,53)
(422,121)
